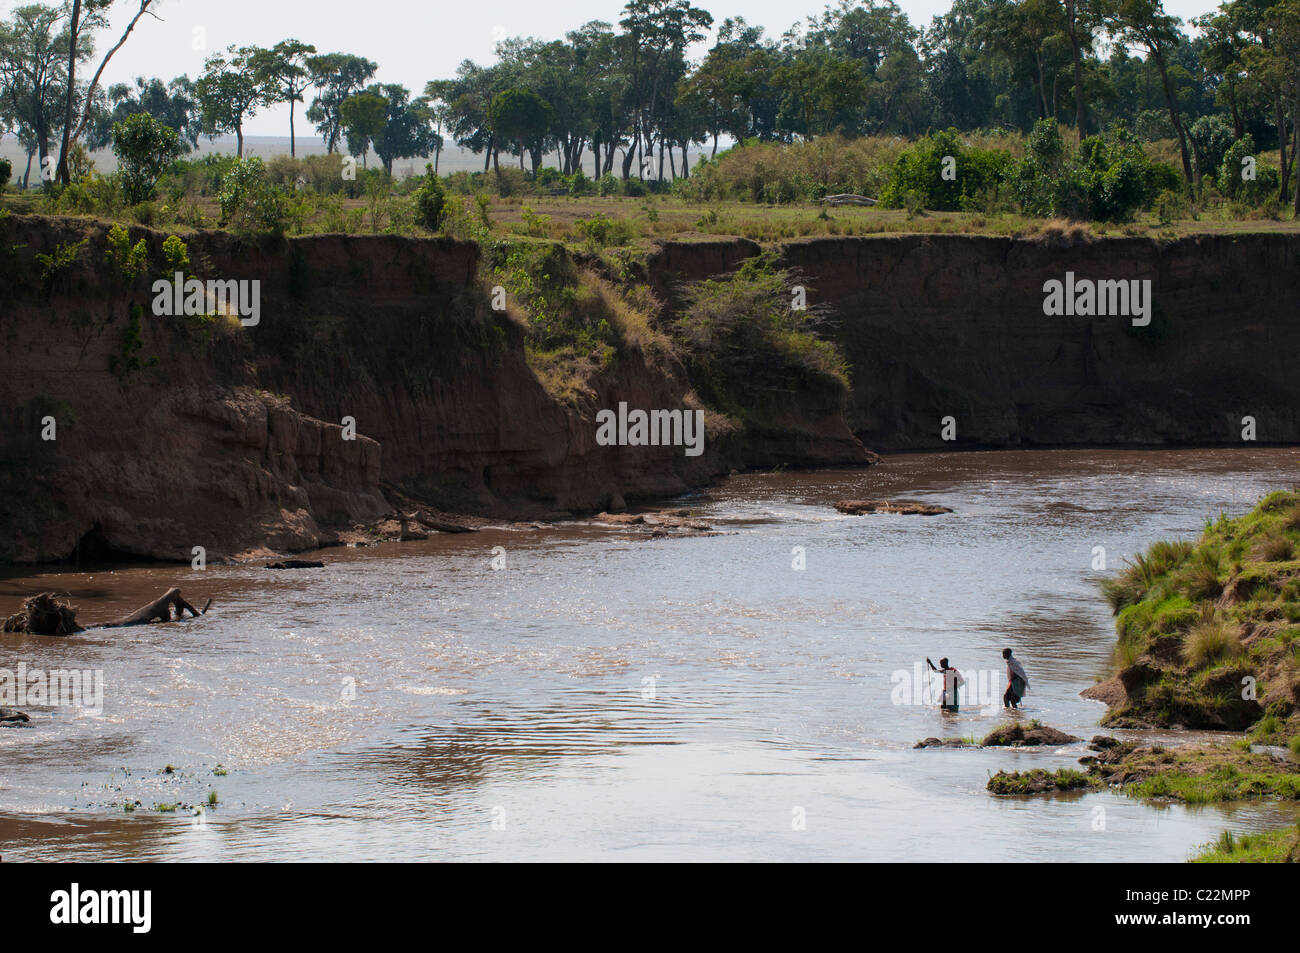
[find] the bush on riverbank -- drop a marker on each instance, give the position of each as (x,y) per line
(748,349)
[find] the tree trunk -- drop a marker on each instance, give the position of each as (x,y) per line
(1188,173)
(160,610)
(239,142)
(1042,85)
(74,26)
(1076,57)
(292,154)
(1295,147)
(1282,143)
(686,161)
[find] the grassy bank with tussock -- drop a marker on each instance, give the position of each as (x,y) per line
(1208,638)
(1267,847)
(1209,632)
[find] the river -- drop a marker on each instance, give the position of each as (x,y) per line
(605,696)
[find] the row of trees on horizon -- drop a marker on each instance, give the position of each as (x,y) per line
(628,95)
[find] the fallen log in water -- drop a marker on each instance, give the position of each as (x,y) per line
(906,507)
(160,610)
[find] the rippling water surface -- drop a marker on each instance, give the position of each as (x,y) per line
(610,697)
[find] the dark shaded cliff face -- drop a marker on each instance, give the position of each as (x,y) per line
(938,326)
(173,432)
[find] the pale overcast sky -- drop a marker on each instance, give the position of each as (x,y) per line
(412,40)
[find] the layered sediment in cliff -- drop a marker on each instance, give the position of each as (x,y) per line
(174,432)
(171,432)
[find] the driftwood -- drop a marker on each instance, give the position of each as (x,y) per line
(406,519)
(848,198)
(160,610)
(44,614)
(906,507)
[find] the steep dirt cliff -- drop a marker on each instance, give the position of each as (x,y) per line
(953,325)
(949,325)
(176,432)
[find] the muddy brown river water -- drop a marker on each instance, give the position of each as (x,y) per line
(609,697)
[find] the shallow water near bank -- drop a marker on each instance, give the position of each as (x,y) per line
(605,696)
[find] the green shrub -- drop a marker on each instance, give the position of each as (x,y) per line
(747,349)
(129,262)
(144,148)
(1211,138)
(1257,191)
(1110,178)
(600,231)
(947,174)
(6,172)
(431,201)
(1036,176)
(176,256)
(608,185)
(251,203)
(60,259)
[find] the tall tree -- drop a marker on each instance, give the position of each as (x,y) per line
(362,117)
(282,71)
(33,55)
(1145,23)
(656,35)
(173,104)
(230,92)
(84,17)
(336,76)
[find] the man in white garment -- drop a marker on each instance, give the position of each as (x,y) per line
(1017,681)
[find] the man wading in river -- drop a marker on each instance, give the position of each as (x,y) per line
(952,681)
(1017,682)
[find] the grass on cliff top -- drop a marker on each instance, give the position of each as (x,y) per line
(1206,615)
(595,222)
(1269,847)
